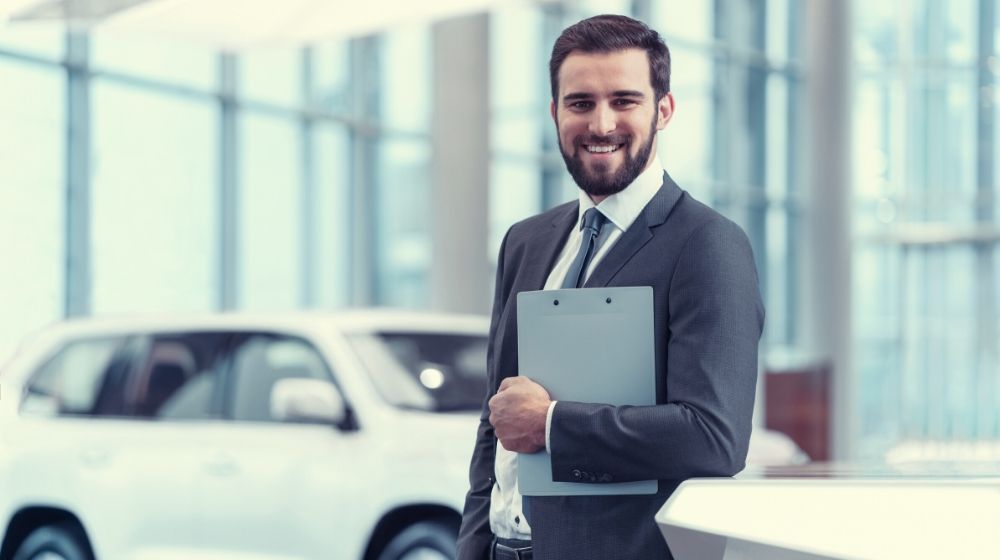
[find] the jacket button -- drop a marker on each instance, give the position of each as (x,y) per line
(577,473)
(517,519)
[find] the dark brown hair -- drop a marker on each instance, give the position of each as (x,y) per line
(610,33)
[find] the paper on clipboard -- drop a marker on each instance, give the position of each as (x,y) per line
(586,345)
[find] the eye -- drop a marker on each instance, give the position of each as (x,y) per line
(581,105)
(624,102)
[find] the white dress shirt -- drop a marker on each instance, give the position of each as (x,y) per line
(506,518)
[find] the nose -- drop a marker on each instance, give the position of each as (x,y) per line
(602,120)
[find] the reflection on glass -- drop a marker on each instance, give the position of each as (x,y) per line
(778,17)
(31,200)
(333,216)
(877,34)
(331,78)
(154,204)
(521,134)
(924,289)
(43,39)
(685,145)
(516,195)
(518,61)
(406,76)
(272,75)
(779,88)
(588,8)
(691,20)
(404,222)
(946,29)
(159,58)
(270,234)
(778,300)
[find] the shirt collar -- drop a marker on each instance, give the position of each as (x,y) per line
(624,207)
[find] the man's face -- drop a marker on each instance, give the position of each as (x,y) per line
(607,118)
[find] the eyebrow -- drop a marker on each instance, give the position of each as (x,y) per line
(619,93)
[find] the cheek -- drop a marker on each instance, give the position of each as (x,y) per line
(567,137)
(639,133)
(571,128)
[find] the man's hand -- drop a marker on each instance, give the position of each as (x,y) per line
(518,413)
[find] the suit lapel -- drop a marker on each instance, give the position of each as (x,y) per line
(637,235)
(548,241)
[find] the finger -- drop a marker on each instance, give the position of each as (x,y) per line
(507,382)
(515,444)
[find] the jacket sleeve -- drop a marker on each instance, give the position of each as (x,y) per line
(474,536)
(714,326)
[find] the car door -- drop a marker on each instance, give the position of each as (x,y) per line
(280,490)
(171,396)
(125,442)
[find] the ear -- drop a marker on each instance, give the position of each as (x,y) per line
(665,110)
(552,111)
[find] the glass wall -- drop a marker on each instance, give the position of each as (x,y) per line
(154,242)
(925,224)
(269,202)
(141,174)
(402,172)
(32,203)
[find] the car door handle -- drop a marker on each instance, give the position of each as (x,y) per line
(222,465)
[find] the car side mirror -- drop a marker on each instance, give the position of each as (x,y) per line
(307,400)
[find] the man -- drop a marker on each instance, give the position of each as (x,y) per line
(610,95)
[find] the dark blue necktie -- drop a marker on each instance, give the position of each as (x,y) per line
(593,222)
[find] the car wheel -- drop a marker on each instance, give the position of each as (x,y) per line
(426,540)
(54,542)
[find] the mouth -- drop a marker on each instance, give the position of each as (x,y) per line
(602,148)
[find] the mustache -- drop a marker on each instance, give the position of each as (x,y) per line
(611,139)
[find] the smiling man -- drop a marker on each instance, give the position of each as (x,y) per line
(631,226)
(606,134)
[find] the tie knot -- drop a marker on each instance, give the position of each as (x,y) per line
(593,220)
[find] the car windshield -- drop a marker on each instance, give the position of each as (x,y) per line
(436,372)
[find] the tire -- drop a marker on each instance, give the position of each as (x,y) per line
(426,540)
(65,541)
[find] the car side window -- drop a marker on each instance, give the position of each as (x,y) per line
(71,381)
(260,361)
(174,377)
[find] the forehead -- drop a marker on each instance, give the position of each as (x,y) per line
(601,72)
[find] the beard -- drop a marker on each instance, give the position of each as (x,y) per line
(601,181)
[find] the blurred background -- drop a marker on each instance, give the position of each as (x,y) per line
(154,159)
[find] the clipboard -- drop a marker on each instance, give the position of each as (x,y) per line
(586,345)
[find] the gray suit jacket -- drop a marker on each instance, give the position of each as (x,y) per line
(708,320)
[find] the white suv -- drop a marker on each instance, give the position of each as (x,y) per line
(307,436)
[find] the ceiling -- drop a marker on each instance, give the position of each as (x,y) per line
(236,24)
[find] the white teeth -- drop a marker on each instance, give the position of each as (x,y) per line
(601,149)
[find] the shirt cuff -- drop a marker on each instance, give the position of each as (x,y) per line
(548,427)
